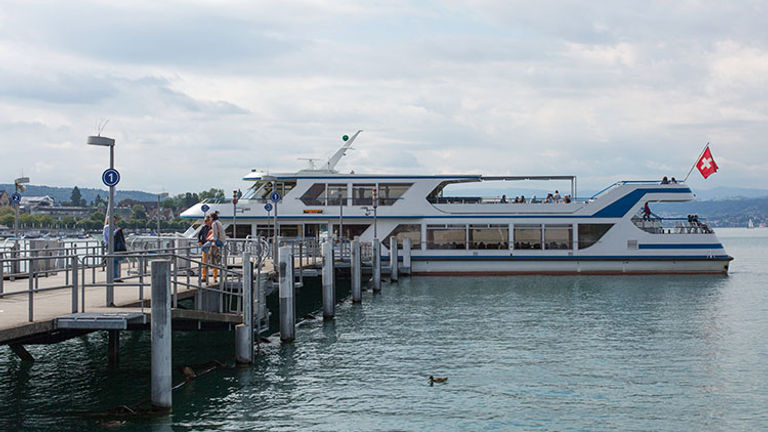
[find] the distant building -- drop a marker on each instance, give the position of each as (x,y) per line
(30,204)
(62,212)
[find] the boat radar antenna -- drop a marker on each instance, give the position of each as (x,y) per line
(333,160)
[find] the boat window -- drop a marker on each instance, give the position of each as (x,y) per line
(527,236)
(350,230)
(389,193)
(285,186)
(589,234)
(558,236)
(488,236)
(289,230)
(315,195)
(337,194)
(446,236)
(362,194)
(403,231)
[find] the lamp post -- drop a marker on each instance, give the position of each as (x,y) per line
(18,187)
(159,196)
(341,217)
(109,142)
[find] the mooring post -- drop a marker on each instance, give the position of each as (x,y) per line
(244,331)
(407,256)
(393,258)
(329,284)
(376,266)
(161,335)
(357,275)
(287,293)
(113,349)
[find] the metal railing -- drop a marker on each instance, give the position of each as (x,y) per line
(659,225)
(186,264)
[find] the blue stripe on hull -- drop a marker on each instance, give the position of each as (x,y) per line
(681,246)
(570,258)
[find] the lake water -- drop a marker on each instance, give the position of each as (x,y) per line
(666,353)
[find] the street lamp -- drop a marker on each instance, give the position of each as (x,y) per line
(159,196)
(109,142)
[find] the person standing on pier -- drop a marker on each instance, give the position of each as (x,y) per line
(216,238)
(202,238)
(119,246)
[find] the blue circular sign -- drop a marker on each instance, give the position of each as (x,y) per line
(16,197)
(275,197)
(204,208)
(110,177)
(268,207)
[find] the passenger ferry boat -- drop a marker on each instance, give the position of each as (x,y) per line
(603,234)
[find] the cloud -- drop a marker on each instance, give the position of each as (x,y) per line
(198,93)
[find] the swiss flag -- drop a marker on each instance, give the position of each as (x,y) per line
(706,164)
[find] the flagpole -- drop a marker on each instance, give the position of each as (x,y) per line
(694,164)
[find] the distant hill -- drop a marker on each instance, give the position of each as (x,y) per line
(65,193)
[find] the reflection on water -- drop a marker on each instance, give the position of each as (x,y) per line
(533,352)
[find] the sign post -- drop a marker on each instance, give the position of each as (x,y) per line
(110,177)
(234,214)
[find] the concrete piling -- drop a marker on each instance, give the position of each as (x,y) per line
(329,283)
(161,335)
(357,274)
(407,256)
(287,296)
(244,331)
(113,348)
(376,266)
(393,260)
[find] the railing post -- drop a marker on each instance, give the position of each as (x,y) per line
(161,335)
(74,283)
(407,256)
(287,293)
(30,268)
(357,294)
(329,283)
(376,266)
(2,269)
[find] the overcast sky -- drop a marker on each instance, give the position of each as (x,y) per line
(199,93)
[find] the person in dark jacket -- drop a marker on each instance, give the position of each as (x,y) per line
(201,239)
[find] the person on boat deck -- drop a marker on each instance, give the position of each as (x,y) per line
(119,239)
(567,199)
(549,198)
(673,181)
(503,199)
(665,180)
(202,238)
(646,212)
(534,200)
(556,196)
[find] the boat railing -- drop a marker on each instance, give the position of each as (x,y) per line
(673,225)
(625,182)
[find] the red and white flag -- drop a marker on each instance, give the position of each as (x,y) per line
(706,164)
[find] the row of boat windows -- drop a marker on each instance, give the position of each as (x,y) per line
(524,236)
(359,194)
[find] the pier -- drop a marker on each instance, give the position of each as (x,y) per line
(54,291)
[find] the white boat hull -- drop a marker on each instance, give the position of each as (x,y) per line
(441,266)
